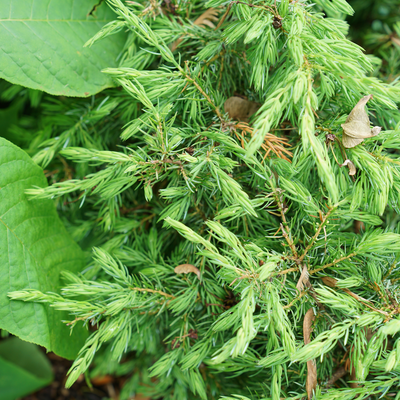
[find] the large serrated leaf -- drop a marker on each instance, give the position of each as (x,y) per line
(41,45)
(34,248)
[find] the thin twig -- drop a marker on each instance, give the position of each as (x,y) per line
(390,271)
(285,225)
(338,374)
(322,225)
(375,309)
(223,17)
(289,241)
(294,300)
(314,271)
(287,271)
(383,158)
(153,291)
(200,89)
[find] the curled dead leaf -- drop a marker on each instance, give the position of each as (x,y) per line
(350,165)
(102,380)
(205,19)
(311,383)
(358,226)
(395,40)
(331,282)
(307,325)
(186,269)
(357,125)
(240,109)
(304,279)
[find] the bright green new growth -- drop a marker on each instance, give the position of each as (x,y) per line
(271,238)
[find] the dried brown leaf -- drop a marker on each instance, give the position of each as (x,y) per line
(351,166)
(205,19)
(102,380)
(358,226)
(331,282)
(304,279)
(240,109)
(357,125)
(395,40)
(307,325)
(311,383)
(186,269)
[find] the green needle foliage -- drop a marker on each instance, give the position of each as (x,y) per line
(289,267)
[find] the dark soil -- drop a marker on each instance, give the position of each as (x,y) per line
(103,389)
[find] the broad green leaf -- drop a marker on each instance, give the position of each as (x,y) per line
(23,369)
(42,45)
(34,248)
